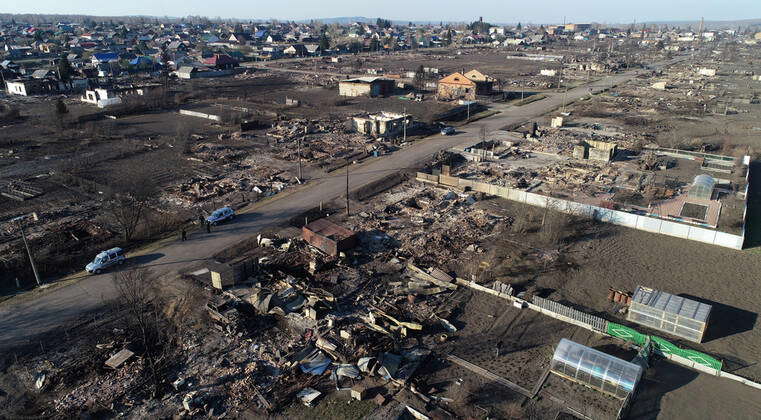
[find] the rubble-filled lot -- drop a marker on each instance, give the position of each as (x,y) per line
(384,325)
(694,114)
(72,162)
(196,165)
(301,312)
(384,320)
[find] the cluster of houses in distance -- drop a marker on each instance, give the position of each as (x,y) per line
(40,57)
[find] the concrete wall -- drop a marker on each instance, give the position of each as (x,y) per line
(16,88)
(376,187)
(200,115)
(205,74)
(354,89)
(634,221)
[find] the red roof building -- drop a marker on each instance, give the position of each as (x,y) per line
(221,61)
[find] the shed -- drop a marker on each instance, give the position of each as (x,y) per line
(669,313)
(595,369)
(366,86)
(186,72)
(328,236)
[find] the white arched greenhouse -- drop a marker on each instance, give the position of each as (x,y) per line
(595,369)
(702,187)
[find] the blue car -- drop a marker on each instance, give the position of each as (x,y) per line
(221,215)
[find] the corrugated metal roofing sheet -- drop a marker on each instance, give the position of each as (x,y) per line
(672,304)
(366,79)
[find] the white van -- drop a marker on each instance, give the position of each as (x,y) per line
(106,259)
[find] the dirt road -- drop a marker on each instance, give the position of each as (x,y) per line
(25,319)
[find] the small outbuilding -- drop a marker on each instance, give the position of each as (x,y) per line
(595,150)
(329,237)
(384,124)
(366,86)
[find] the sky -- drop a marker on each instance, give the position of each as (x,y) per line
(502,11)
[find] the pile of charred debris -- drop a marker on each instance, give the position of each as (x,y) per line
(348,306)
(244,180)
(326,143)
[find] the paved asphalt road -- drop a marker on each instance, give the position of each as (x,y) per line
(21,320)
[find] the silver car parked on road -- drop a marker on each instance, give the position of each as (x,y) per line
(221,215)
(106,259)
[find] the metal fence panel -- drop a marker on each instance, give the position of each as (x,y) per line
(595,322)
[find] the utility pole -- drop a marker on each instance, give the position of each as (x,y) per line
(468,111)
(347,187)
(29,252)
(299,153)
(404,125)
(565,98)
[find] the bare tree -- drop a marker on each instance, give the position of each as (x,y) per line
(183,141)
(130,195)
(58,114)
(555,223)
(141,308)
(420,78)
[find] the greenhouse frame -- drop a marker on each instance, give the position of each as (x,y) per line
(702,187)
(595,369)
(675,315)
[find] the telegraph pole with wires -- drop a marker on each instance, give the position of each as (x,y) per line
(404,125)
(565,99)
(31,259)
(20,221)
(301,179)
